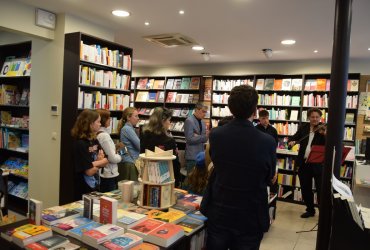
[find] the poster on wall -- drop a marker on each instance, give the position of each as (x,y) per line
(363,106)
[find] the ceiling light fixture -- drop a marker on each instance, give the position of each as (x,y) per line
(121,13)
(267,53)
(315,51)
(147,23)
(368,49)
(206,56)
(288,42)
(197,47)
(181,12)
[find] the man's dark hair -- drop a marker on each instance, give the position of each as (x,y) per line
(225,120)
(311,110)
(263,113)
(243,101)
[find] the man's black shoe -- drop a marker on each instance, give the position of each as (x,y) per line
(307,214)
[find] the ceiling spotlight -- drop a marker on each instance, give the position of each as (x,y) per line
(267,53)
(120,13)
(368,49)
(198,47)
(181,12)
(315,51)
(288,42)
(206,56)
(147,23)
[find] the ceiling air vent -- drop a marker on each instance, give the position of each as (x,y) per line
(170,40)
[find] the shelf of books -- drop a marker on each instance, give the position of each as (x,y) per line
(182,93)
(219,94)
(287,98)
(97,75)
(178,93)
(157,183)
(15,78)
(149,93)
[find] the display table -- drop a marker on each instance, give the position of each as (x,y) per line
(181,244)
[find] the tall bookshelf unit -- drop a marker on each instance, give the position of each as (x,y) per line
(286,97)
(15,86)
(97,74)
(151,92)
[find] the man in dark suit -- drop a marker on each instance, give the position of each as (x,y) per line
(244,161)
(307,135)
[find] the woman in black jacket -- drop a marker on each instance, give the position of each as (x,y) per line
(155,134)
(309,134)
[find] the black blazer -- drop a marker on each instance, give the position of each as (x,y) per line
(303,131)
(244,161)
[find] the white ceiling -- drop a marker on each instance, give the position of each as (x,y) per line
(230,30)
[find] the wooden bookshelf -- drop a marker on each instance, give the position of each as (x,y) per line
(15,83)
(86,70)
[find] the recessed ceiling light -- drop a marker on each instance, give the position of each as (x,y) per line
(181,12)
(147,23)
(368,49)
(120,13)
(288,42)
(197,47)
(315,51)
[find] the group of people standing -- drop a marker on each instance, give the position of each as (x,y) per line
(99,161)
(243,160)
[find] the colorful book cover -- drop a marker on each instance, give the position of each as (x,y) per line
(165,234)
(189,225)
(195,82)
(48,243)
(171,216)
(125,241)
(34,211)
(68,225)
(129,218)
(146,226)
(103,231)
(185,83)
(145,246)
(269,84)
(108,210)
(78,231)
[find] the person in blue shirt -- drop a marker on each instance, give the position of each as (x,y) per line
(130,139)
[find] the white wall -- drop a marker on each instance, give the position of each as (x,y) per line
(20,18)
(288,68)
(75,24)
(46,89)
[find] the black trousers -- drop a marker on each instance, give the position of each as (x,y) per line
(221,238)
(306,172)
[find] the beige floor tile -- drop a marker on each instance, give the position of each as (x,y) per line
(277,244)
(305,245)
(283,232)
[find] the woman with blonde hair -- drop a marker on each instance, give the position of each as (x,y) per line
(88,157)
(155,134)
(130,139)
(108,175)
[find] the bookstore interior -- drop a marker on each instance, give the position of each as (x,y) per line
(61,58)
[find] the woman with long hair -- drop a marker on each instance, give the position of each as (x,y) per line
(88,157)
(108,175)
(155,134)
(130,139)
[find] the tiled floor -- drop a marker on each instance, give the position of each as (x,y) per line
(282,234)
